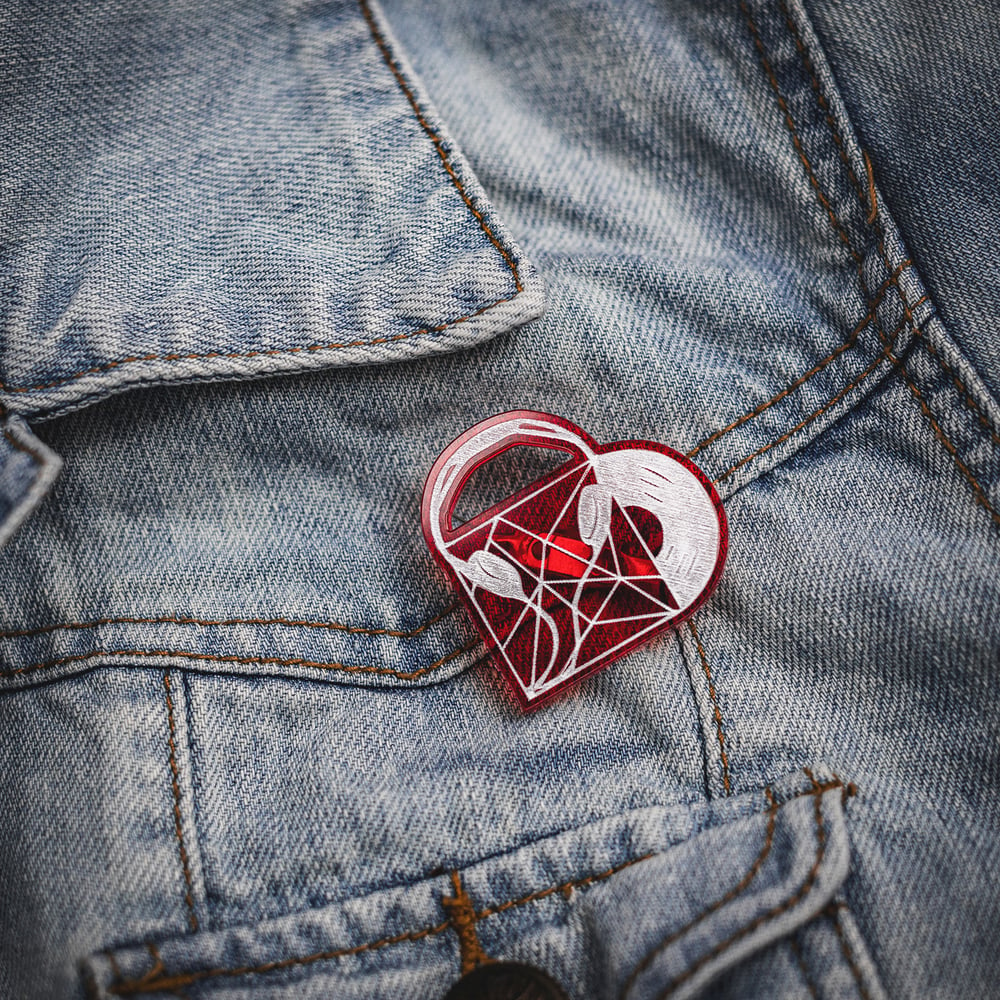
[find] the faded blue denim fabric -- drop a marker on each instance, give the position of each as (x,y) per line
(250,744)
(27,470)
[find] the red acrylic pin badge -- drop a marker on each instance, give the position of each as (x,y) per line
(618,544)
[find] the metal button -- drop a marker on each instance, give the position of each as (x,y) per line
(506,981)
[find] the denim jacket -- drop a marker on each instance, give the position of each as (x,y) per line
(261,263)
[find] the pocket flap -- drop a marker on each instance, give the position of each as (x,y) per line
(734,890)
(652,903)
(227,191)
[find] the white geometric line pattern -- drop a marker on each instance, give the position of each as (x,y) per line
(582,566)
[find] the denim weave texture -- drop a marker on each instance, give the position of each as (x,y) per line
(252,745)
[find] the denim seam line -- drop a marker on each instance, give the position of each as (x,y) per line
(98,654)
(716,711)
(453,177)
(776,911)
(871,215)
(833,912)
(872,300)
(176,789)
(849,343)
(817,791)
(885,355)
(158,980)
(800,961)
(231,622)
(21,446)
(736,891)
(873,219)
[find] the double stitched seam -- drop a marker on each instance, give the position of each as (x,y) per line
(405,675)
(176,788)
(873,214)
(453,177)
(964,394)
(852,339)
(224,622)
(908,308)
(872,300)
(978,491)
(833,912)
(885,356)
(163,982)
(963,390)
(800,960)
(737,890)
(793,900)
(715,705)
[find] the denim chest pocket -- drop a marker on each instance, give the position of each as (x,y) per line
(739,899)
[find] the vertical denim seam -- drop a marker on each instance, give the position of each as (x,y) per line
(463,918)
(871,300)
(800,960)
(178,821)
(716,711)
(833,912)
(879,232)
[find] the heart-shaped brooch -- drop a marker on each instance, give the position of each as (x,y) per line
(573,571)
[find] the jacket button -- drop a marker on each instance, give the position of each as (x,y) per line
(506,981)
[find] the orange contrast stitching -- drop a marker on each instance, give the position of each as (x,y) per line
(175,785)
(212,622)
(818,367)
(793,900)
(565,888)
(146,985)
(980,494)
(872,193)
(715,705)
(21,446)
(435,138)
(966,397)
(822,101)
(833,912)
(97,370)
(452,176)
(826,406)
(248,660)
(462,917)
(796,141)
(167,983)
(740,887)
